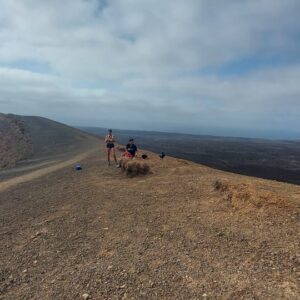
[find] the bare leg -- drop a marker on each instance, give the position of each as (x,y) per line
(108,155)
(114,155)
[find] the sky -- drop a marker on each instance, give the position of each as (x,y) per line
(195,66)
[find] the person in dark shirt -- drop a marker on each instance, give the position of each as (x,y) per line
(131,149)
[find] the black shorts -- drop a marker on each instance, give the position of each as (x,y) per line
(110,145)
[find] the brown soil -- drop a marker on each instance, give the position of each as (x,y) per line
(183,232)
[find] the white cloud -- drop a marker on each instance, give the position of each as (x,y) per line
(21,85)
(148,58)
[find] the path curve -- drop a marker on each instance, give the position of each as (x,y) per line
(7,184)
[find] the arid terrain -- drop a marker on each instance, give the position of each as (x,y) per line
(30,143)
(184,231)
(15,143)
(269,159)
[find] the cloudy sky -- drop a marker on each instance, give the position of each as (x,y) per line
(202,66)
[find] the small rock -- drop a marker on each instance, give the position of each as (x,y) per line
(52,281)
(151,283)
(35,262)
(123,286)
(109,267)
(25,271)
(204,295)
(85,296)
(106,228)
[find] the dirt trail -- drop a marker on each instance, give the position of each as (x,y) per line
(41,172)
(174,234)
(29,166)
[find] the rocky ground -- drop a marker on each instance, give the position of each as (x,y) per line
(183,232)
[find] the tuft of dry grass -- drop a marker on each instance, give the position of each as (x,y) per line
(134,168)
(245,197)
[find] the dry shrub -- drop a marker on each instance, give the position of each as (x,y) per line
(247,197)
(134,168)
(221,185)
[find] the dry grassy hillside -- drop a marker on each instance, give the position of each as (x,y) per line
(269,159)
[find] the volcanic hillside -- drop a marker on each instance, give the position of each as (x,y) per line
(37,138)
(179,230)
(15,142)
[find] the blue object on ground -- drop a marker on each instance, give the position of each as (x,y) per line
(78,167)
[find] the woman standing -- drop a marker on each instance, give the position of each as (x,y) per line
(110,146)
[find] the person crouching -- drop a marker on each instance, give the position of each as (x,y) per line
(131,149)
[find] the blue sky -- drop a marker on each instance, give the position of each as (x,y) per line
(29,65)
(221,67)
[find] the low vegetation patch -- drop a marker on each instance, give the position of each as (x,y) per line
(134,167)
(246,197)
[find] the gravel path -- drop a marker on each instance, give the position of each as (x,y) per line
(8,184)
